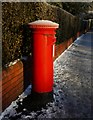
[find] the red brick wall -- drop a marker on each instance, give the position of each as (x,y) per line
(62,47)
(12,83)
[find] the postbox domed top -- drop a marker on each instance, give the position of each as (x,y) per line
(43,24)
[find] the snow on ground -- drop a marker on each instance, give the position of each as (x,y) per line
(11,110)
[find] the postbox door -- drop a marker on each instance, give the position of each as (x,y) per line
(51,41)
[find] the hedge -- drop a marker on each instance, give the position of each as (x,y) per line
(16,36)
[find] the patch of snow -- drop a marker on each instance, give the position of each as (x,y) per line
(12,63)
(11,109)
(25,93)
(44,23)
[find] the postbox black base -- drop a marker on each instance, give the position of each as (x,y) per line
(35,101)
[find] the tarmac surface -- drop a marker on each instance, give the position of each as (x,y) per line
(73,88)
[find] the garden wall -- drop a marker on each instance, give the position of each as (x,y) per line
(12,83)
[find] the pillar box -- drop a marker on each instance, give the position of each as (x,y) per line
(43,32)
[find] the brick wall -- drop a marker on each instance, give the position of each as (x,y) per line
(62,47)
(17,77)
(12,83)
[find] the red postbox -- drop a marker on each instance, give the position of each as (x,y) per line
(43,32)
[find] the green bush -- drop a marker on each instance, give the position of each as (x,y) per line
(16,36)
(15,16)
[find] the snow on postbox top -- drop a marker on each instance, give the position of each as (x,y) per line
(43,24)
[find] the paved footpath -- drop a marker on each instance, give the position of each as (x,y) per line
(76,75)
(73,76)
